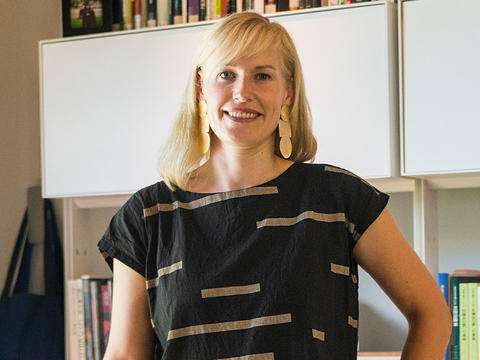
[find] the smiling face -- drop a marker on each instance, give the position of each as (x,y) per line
(244,99)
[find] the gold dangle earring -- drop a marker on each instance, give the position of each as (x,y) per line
(204,136)
(285,132)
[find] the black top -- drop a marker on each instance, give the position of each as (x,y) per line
(260,273)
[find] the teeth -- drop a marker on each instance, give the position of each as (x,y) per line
(242,114)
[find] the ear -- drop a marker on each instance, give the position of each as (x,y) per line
(198,85)
(290,93)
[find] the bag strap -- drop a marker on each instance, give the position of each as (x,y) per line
(17,257)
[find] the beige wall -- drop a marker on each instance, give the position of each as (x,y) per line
(22,24)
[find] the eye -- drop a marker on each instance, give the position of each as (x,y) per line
(226,75)
(263,76)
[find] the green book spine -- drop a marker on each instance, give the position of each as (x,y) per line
(473,320)
(455,331)
(463,321)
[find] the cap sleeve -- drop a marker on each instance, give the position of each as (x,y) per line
(125,238)
(364,203)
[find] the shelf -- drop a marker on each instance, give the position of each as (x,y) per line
(379,355)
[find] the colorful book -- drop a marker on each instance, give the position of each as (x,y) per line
(105,313)
(137,15)
(116,15)
(177,11)
(455,281)
(143,13)
(202,10)
(97,347)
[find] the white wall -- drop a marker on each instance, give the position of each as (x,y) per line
(22,24)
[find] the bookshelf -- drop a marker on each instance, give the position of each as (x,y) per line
(96,193)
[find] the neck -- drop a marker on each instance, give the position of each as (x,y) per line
(233,168)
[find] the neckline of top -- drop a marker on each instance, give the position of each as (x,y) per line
(275,179)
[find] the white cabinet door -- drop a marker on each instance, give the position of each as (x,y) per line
(108,101)
(441,72)
(349,60)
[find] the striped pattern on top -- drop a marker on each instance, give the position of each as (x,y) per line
(313,215)
(342,171)
(210,199)
(317,334)
(164,271)
(266,356)
(230,291)
(229,326)
(352,322)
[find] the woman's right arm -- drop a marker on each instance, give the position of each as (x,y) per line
(131,333)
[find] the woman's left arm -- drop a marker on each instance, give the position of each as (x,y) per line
(384,253)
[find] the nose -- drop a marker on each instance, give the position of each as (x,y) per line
(242,90)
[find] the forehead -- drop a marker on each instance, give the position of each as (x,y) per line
(266,59)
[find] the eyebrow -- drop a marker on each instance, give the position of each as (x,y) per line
(256,68)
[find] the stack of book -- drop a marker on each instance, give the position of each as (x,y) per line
(461,289)
(89,317)
(136,14)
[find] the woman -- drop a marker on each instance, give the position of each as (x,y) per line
(245,251)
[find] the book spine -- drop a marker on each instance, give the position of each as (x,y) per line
(294,4)
(127,14)
(202,10)
(97,347)
(184,11)
(137,14)
(217,14)
(162,12)
(106,312)
(473,320)
(478,318)
(232,7)
(463,321)
(116,15)
(73,321)
(88,318)
(152,13)
(455,352)
(193,6)
(239,6)
(442,281)
(177,11)
(259,6)
(270,6)
(143,13)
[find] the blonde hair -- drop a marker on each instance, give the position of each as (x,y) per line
(238,35)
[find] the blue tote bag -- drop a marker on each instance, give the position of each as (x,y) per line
(32,326)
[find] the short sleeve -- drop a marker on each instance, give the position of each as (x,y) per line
(364,203)
(125,238)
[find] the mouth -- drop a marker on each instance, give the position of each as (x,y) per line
(241,116)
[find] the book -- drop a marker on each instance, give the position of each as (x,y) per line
(472,321)
(270,6)
(87,311)
(74,341)
(143,13)
(442,281)
(137,14)
(162,12)
(193,10)
(455,282)
(127,14)
(463,321)
(259,6)
(116,15)
(97,347)
(177,11)
(106,312)
(202,10)
(151,13)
